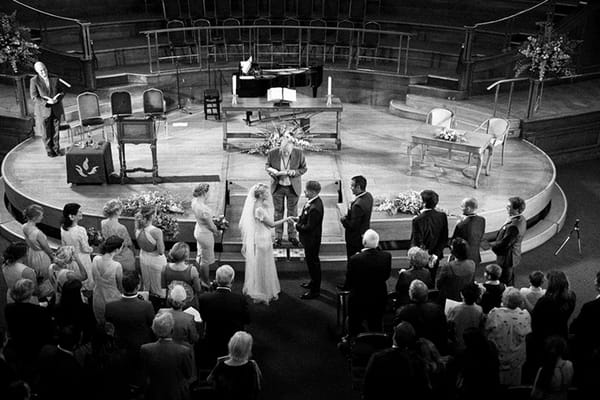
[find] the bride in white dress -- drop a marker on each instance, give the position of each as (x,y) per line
(261,283)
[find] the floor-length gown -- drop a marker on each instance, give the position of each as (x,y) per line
(106,275)
(37,259)
(77,237)
(125,257)
(261,283)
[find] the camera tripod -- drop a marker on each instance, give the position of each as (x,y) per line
(576,230)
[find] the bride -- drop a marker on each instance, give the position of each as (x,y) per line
(261,282)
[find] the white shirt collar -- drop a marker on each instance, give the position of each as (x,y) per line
(360,195)
(127,296)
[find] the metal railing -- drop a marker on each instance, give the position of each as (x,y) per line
(497,85)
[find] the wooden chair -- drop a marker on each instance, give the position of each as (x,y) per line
(155,107)
(343,40)
(498,128)
(263,39)
(204,41)
(440,117)
(90,117)
(232,37)
(317,38)
(137,131)
(179,40)
(369,42)
(120,106)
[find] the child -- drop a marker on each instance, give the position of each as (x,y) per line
(534,291)
(492,297)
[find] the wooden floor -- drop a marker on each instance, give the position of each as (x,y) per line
(373,144)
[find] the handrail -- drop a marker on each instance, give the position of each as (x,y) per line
(37,10)
(501,81)
(477,25)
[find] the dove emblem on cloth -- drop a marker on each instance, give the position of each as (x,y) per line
(84,169)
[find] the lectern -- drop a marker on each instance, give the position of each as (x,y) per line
(137,131)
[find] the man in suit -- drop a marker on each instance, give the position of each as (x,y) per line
(309,226)
(507,245)
(47,93)
(471,228)
(286,165)
(223,312)
(168,366)
(358,218)
(430,229)
(366,279)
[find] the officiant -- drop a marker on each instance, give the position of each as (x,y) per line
(286,165)
(47,94)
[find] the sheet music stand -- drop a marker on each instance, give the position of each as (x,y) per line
(136,131)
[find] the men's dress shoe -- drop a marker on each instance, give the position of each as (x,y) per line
(305,285)
(295,242)
(309,295)
(342,286)
(277,243)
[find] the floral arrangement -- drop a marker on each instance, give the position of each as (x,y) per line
(165,203)
(221,222)
(405,202)
(548,53)
(95,237)
(15,47)
(271,138)
(450,135)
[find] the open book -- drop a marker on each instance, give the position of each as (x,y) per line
(52,99)
(281,95)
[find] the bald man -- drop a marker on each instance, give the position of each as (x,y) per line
(47,93)
(470,228)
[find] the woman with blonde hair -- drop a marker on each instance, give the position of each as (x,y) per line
(179,272)
(112,227)
(65,267)
(152,254)
(39,255)
(204,231)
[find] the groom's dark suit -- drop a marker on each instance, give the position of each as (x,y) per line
(309,226)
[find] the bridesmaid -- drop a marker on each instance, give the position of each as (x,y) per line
(152,254)
(14,268)
(204,232)
(39,255)
(71,234)
(112,227)
(108,274)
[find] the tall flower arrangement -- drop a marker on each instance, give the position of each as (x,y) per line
(272,134)
(16,48)
(166,205)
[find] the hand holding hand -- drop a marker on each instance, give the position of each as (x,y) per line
(293,219)
(291,172)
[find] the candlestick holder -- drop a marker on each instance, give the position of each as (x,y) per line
(234,99)
(329,98)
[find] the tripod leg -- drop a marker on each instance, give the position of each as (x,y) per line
(579,242)
(562,245)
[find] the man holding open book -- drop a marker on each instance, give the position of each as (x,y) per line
(47,93)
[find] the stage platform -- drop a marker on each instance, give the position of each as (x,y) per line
(374,145)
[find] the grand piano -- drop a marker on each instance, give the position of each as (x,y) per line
(259,80)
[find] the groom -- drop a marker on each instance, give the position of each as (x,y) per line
(309,225)
(286,165)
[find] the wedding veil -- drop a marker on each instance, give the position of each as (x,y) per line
(247,223)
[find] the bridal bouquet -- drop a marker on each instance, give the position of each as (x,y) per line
(95,237)
(271,137)
(450,135)
(165,203)
(221,222)
(405,202)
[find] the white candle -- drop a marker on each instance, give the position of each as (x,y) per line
(234,84)
(329,86)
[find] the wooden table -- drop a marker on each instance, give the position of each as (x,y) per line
(476,144)
(299,108)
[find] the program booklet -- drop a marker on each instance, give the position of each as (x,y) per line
(281,95)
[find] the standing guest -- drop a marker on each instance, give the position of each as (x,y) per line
(465,316)
(366,279)
(108,275)
(236,376)
(286,165)
(223,312)
(13,268)
(64,268)
(168,366)
(184,330)
(471,228)
(418,261)
(478,367)
(182,273)
(71,311)
(534,292)
(493,288)
(204,232)
(358,218)
(456,274)
(39,254)
(71,234)
(47,94)
(7,374)
(554,378)
(309,226)
(586,331)
(112,227)
(507,327)
(430,229)
(152,254)
(507,245)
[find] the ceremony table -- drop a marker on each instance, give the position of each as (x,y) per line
(298,109)
(90,164)
(476,144)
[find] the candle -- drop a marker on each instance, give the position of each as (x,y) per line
(234,85)
(329,86)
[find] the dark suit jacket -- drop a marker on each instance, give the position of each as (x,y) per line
(471,229)
(38,88)
(358,219)
(224,313)
(168,368)
(586,328)
(507,245)
(429,322)
(30,327)
(430,231)
(297,163)
(55,365)
(366,278)
(132,318)
(310,223)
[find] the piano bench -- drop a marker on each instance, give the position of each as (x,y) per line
(212,103)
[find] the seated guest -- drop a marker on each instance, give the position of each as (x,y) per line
(493,288)
(167,366)
(396,369)
(456,274)
(418,261)
(72,311)
(470,228)
(108,274)
(223,313)
(65,267)
(366,279)
(465,316)
(14,268)
(533,293)
(554,378)
(236,377)
(478,367)
(426,317)
(507,327)
(29,326)
(185,331)
(182,273)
